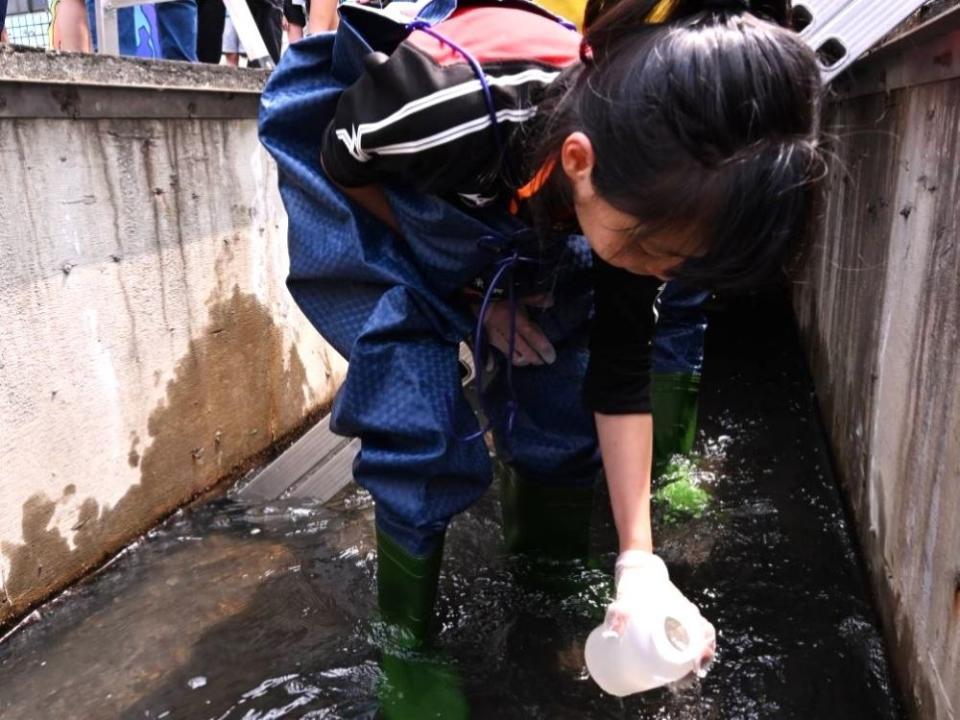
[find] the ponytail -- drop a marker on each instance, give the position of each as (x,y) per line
(606,21)
(639,12)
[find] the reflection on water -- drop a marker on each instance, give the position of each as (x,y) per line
(254,612)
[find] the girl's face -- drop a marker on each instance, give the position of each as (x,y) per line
(614,235)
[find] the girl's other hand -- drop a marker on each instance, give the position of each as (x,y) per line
(530,347)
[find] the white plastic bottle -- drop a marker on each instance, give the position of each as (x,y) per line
(664,641)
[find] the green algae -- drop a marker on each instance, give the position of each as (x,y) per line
(680,495)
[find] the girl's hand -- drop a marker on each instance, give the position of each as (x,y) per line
(642,583)
(531,346)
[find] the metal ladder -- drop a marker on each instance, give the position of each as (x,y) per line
(840,31)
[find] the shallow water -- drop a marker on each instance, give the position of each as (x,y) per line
(239,611)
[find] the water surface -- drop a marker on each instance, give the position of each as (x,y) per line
(240,611)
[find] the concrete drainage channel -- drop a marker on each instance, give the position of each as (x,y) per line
(121,368)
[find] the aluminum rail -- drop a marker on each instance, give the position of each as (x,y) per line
(840,31)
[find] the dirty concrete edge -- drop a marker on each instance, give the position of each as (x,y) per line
(11,624)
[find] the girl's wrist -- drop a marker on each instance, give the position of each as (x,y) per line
(643,542)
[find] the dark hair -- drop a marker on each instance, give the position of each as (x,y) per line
(704,124)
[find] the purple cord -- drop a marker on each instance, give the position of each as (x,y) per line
(504,266)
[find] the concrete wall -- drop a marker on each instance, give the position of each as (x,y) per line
(879,304)
(148,346)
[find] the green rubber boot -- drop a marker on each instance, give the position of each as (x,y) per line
(551,522)
(418,687)
(674,397)
(417,683)
(547,531)
(406,590)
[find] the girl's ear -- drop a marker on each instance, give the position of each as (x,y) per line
(577,160)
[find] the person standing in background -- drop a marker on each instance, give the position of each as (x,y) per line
(176,27)
(322,16)
(306,17)
(211,18)
(268,15)
(232,49)
(73,28)
(295,13)
(68,26)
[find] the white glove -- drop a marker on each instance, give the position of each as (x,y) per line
(643,586)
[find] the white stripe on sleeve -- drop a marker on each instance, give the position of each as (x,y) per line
(354,138)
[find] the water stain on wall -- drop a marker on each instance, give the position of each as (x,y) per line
(234,393)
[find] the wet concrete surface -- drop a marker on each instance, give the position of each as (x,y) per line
(233,610)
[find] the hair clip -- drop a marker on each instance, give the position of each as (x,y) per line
(586,53)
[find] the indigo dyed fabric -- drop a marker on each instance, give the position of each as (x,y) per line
(394,306)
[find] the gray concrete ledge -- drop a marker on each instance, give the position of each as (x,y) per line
(47,66)
(45,84)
